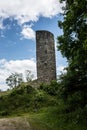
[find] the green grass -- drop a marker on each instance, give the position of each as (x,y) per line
(44,110)
(54,119)
(38,125)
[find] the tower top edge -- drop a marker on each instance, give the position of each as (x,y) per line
(44,31)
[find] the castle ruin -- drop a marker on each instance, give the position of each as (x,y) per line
(45,56)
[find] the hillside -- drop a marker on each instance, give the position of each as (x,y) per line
(38,109)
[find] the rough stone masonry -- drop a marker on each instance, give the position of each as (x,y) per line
(45,56)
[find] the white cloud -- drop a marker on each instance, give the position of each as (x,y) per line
(28,10)
(12,66)
(60,69)
(28,32)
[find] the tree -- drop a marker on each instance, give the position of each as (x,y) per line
(29,76)
(73,46)
(14,80)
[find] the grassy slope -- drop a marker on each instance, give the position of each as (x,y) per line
(56,120)
(43,111)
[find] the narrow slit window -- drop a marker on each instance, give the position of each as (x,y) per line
(45,51)
(45,63)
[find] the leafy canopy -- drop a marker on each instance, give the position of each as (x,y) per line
(73,46)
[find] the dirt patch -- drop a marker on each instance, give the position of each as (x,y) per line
(17,123)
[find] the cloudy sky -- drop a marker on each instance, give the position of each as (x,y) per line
(19,19)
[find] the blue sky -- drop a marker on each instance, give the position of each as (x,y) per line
(17,34)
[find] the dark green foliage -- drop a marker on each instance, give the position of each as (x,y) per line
(40,96)
(29,89)
(24,99)
(73,46)
(73,42)
(4,113)
(51,88)
(18,98)
(40,99)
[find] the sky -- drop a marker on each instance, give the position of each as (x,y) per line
(19,20)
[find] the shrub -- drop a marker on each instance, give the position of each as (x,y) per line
(39,99)
(51,88)
(4,113)
(29,89)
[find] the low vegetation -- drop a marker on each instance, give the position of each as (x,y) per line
(42,107)
(26,98)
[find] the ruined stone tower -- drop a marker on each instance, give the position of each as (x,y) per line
(45,55)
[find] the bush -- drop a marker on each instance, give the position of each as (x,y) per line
(40,96)
(39,99)
(4,113)
(29,89)
(51,88)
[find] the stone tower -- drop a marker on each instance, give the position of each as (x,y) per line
(45,55)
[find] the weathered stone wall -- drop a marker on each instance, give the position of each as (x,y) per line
(45,55)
